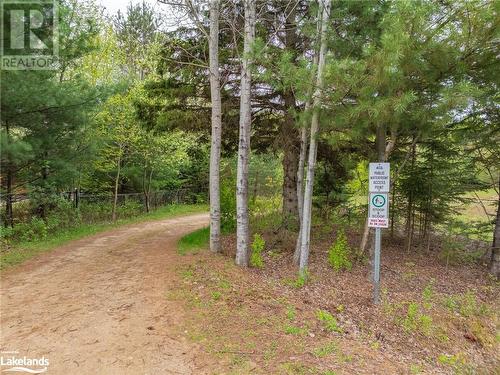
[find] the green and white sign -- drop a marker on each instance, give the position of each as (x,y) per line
(378,212)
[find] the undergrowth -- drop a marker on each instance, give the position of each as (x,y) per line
(194,241)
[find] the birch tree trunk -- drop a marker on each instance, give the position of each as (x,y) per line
(215,146)
(242,221)
(313,146)
(300,186)
(300,170)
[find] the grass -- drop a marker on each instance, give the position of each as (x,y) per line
(23,251)
(194,241)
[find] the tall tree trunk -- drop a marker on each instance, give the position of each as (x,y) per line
(302,162)
(300,185)
(302,158)
(9,215)
(242,220)
(215,147)
(382,155)
(290,136)
(383,152)
(495,250)
(42,207)
(313,146)
(393,211)
(410,213)
(115,195)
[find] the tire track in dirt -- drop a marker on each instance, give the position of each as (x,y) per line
(98,305)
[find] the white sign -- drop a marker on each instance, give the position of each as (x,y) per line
(378,212)
(379,178)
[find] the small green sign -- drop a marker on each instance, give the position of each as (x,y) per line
(378,200)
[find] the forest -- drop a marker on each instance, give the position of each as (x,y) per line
(266,114)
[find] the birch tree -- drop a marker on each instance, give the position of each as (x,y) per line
(302,156)
(215,146)
(313,146)
(242,221)
(194,12)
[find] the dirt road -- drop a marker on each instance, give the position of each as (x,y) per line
(98,305)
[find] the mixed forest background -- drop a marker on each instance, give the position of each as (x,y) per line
(278,105)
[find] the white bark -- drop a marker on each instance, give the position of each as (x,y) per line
(300,171)
(242,220)
(215,146)
(313,146)
(300,187)
(302,160)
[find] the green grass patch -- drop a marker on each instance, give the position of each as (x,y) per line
(20,252)
(194,241)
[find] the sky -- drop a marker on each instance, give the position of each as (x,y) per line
(112,6)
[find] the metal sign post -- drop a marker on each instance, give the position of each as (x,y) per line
(376,267)
(378,215)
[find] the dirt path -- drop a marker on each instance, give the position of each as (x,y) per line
(98,306)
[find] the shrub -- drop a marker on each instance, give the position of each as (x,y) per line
(35,229)
(428,294)
(63,215)
(415,321)
(466,304)
(129,209)
(329,321)
(258,245)
(338,254)
(5,234)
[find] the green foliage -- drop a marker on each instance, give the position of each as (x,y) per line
(62,215)
(228,202)
(290,312)
(21,250)
(300,281)
(457,362)
(326,349)
(339,253)
(416,321)
(216,295)
(466,304)
(329,321)
(294,330)
(194,241)
(428,294)
(257,246)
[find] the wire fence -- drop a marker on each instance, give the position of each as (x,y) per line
(92,206)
